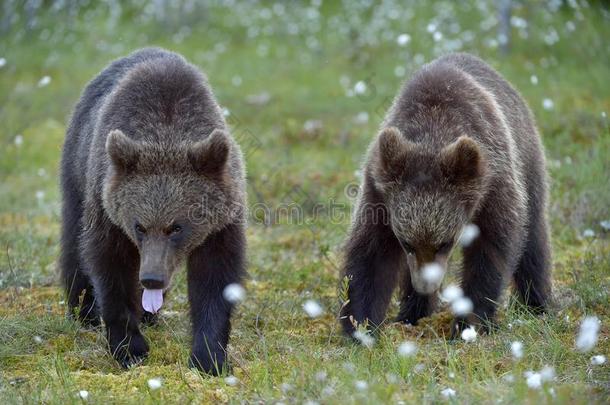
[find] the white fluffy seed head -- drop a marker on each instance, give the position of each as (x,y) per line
(461,306)
(598,360)
(516,348)
(403,39)
(361,385)
(364,338)
(234,293)
(469,334)
(547,373)
(313,309)
(407,349)
(548,104)
(533,379)
(587,336)
(83,394)
(154,383)
(44,81)
(448,393)
(451,293)
(231,380)
(360,87)
(469,234)
(432,273)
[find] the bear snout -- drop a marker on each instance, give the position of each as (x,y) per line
(153,281)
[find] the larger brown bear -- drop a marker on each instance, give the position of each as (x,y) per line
(151,179)
(458,146)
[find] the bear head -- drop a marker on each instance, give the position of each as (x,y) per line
(167,198)
(431,192)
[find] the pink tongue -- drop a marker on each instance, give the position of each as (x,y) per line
(152,300)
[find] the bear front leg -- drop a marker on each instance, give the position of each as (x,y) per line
(113,265)
(220,261)
(372,262)
(487,263)
(414,306)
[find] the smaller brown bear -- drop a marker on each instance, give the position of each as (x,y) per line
(152,180)
(458,146)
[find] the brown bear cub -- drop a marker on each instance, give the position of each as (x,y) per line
(151,179)
(458,146)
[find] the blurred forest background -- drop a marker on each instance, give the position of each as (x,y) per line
(304,86)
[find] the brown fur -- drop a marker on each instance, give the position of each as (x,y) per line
(458,146)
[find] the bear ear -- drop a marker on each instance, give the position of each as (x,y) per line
(393,150)
(123,151)
(461,161)
(209,157)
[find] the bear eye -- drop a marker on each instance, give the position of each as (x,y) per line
(140,229)
(444,247)
(174,230)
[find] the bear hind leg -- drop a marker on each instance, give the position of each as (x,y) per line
(77,286)
(532,277)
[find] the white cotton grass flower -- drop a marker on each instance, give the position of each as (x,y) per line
(605,224)
(360,87)
(2,62)
(509,378)
(598,360)
(588,233)
(361,385)
(320,376)
(587,336)
(534,80)
(361,118)
(469,334)
(18,140)
(83,394)
(548,104)
(44,81)
(313,309)
(533,379)
(516,348)
(403,39)
(234,293)
(469,234)
(155,383)
(364,338)
(462,306)
(231,380)
(433,273)
(407,349)
(37,339)
(452,293)
(547,373)
(40,195)
(448,393)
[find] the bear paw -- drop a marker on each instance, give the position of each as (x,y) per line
(129,350)
(213,364)
(459,324)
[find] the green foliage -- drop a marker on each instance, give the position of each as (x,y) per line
(304,134)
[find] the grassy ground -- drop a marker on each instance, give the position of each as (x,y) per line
(304,145)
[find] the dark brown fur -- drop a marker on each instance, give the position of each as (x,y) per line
(458,146)
(151,180)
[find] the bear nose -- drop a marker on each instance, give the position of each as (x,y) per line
(152,281)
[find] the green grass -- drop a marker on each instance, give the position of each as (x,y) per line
(277,352)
